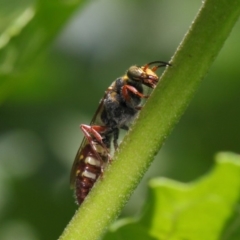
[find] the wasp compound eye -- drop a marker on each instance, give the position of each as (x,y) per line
(135,72)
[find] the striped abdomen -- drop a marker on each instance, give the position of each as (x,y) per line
(88,170)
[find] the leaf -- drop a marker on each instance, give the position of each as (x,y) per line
(128,229)
(193,211)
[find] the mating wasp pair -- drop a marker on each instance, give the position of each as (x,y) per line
(118,107)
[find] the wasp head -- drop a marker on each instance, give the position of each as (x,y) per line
(146,75)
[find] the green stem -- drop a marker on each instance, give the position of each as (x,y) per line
(161,112)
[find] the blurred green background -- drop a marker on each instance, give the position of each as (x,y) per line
(49,87)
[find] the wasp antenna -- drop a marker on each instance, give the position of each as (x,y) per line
(154,68)
(162,63)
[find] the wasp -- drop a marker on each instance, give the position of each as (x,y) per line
(117,109)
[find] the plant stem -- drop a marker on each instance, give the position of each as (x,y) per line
(156,120)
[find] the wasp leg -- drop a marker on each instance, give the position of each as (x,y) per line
(115,138)
(115,133)
(125,127)
(93,130)
(127,88)
(125,92)
(92,133)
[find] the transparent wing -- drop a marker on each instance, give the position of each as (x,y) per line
(95,120)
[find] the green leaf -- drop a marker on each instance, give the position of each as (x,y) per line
(198,210)
(128,229)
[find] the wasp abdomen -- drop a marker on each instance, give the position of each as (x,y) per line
(88,171)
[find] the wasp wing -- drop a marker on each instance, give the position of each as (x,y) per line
(95,120)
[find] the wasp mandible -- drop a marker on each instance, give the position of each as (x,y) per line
(117,109)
